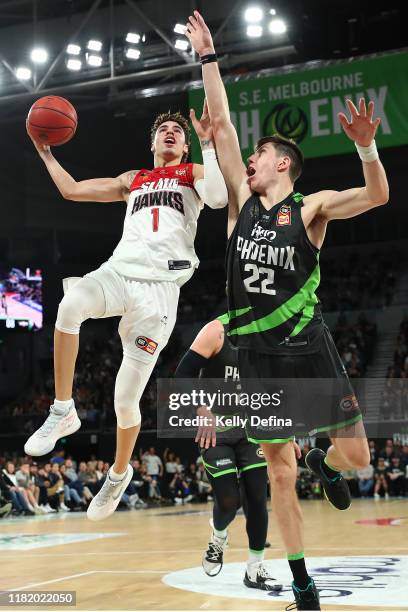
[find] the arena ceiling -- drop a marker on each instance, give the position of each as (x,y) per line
(315,30)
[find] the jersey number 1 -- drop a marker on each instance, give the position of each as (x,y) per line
(155,213)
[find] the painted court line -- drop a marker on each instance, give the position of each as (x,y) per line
(37,584)
(326,549)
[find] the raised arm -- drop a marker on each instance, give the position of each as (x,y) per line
(226,140)
(352,202)
(208,180)
(93,190)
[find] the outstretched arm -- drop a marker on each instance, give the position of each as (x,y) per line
(352,202)
(93,190)
(226,140)
(208,180)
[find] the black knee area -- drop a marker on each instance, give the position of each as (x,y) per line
(226,499)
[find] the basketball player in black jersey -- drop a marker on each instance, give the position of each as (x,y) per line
(228,455)
(275,236)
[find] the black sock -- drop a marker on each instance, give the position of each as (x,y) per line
(300,576)
(330,472)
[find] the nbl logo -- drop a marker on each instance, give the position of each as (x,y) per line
(288,121)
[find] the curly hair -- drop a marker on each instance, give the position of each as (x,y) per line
(177,117)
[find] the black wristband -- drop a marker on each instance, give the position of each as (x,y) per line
(207,59)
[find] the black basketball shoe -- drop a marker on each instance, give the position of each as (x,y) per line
(306,599)
(335,489)
(213,558)
(258,577)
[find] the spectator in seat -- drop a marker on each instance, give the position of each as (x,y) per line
(396,478)
(11,480)
(366,480)
(380,477)
(154,469)
(29,489)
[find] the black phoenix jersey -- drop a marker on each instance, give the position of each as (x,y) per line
(224,367)
(273,273)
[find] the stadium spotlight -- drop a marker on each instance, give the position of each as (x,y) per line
(133,38)
(144,38)
(39,56)
(23,74)
(73,49)
(272,12)
(179,28)
(132,53)
(94,45)
(94,60)
(277,26)
(74,64)
(254,31)
(253,14)
(181,44)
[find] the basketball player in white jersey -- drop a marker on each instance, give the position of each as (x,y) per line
(140,282)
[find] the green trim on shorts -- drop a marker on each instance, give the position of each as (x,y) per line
(214,467)
(351,421)
(229,471)
(272,441)
(252,466)
(208,465)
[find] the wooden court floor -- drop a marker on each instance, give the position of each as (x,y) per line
(132,561)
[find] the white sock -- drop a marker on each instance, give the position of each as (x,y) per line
(115,476)
(62,407)
(220,534)
(255,556)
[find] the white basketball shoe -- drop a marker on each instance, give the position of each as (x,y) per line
(107,500)
(57,425)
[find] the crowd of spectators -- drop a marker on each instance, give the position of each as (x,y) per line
(355,343)
(63,485)
(395,395)
(387,474)
(356,281)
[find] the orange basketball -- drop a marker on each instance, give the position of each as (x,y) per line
(52,121)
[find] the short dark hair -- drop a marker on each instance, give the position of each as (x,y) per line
(286,146)
(177,117)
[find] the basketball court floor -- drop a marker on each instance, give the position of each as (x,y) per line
(151,559)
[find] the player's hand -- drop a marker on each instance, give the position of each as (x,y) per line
(206,434)
(199,35)
(42,149)
(202,126)
(362,127)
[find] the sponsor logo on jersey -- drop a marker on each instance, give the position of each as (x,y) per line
(260,453)
(349,403)
(223,462)
(284,216)
(181,172)
(259,233)
(146,344)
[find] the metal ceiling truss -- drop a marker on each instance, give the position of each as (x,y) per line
(112,79)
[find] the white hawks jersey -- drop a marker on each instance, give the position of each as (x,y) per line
(160,226)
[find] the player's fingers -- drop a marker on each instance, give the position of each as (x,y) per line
(362,107)
(201,21)
(193,22)
(370,110)
(343,120)
(352,108)
(377,123)
(214,439)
